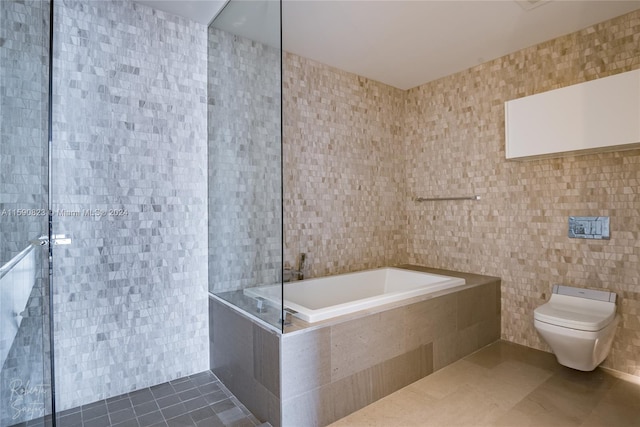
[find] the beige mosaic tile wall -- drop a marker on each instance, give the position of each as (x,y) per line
(344,181)
(455,145)
(349,182)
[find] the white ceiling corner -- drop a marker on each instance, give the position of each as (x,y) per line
(408,43)
(201,11)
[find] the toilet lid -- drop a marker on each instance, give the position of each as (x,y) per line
(576,313)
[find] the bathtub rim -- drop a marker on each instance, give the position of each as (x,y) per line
(303,312)
(298,326)
(472,281)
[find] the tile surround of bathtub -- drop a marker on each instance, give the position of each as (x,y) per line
(352,363)
(518,231)
(452,131)
(307,360)
(244,154)
(246,358)
(322,373)
(343,176)
(367,341)
(130,133)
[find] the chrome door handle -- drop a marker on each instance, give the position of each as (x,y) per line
(58,239)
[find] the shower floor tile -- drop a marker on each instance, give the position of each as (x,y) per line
(198,400)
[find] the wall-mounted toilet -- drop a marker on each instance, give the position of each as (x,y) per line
(579,325)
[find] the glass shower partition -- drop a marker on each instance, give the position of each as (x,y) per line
(245,158)
(25,375)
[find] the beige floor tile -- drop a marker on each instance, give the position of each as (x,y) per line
(607,414)
(504,390)
(572,394)
(448,380)
(506,385)
(516,418)
(501,351)
(467,407)
(402,408)
(489,356)
(597,380)
(528,417)
(520,374)
(624,393)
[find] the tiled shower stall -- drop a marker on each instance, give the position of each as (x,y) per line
(129,147)
(137,177)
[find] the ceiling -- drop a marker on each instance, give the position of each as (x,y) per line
(407,43)
(202,11)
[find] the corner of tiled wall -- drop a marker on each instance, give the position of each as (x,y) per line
(344,181)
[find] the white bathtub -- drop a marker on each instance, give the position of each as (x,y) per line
(327,297)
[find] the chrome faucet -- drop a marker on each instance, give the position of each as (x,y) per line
(289,273)
(303,258)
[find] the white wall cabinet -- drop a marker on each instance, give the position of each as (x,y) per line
(599,115)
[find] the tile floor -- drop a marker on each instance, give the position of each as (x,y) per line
(195,401)
(502,385)
(505,384)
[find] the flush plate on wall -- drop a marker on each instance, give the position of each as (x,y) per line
(589,227)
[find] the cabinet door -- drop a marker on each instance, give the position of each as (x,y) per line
(599,115)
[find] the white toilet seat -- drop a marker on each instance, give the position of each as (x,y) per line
(576,313)
(575,333)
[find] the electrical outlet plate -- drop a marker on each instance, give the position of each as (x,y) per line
(589,227)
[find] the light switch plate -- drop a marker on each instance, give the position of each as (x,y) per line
(589,227)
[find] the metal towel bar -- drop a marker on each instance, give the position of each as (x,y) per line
(438,199)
